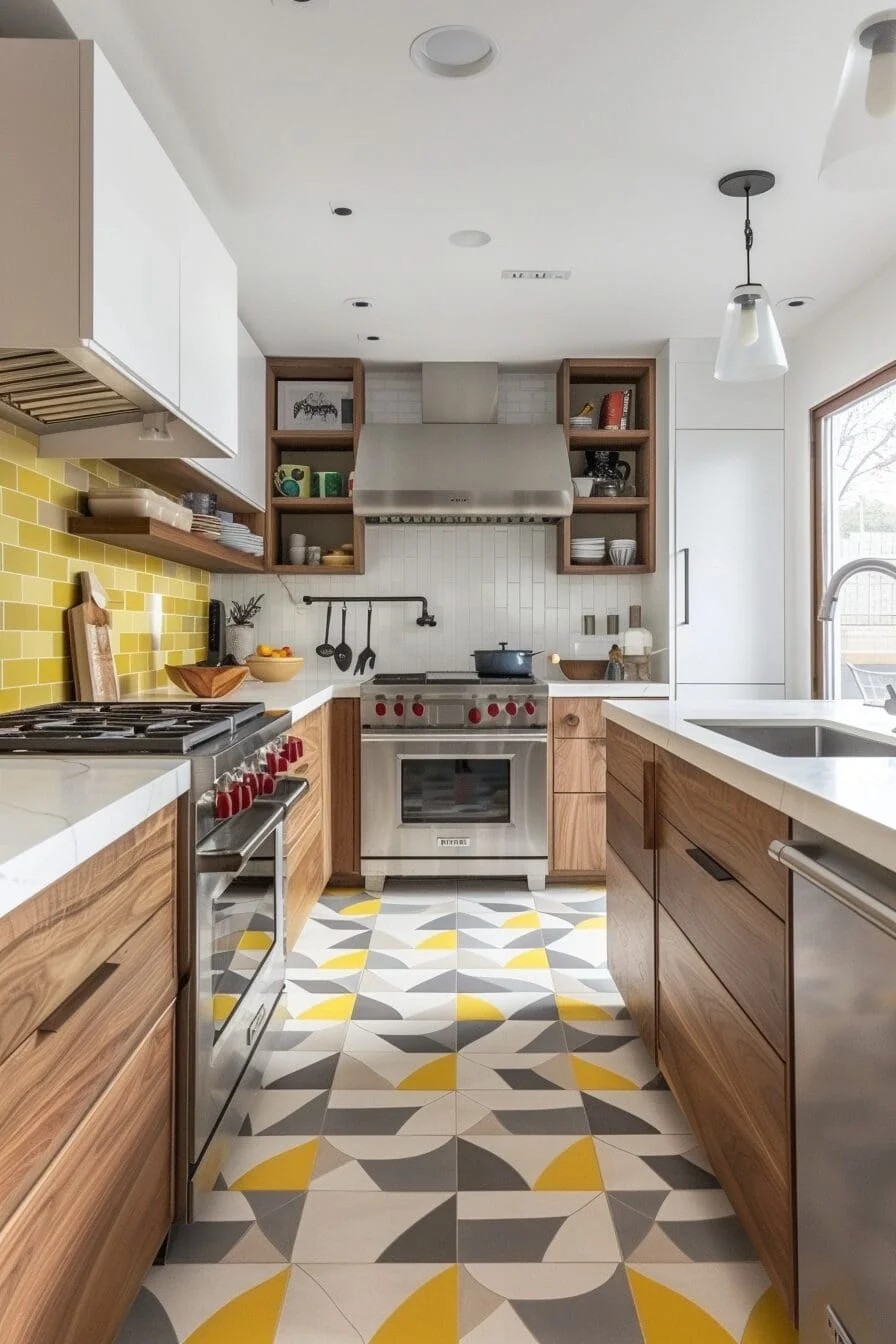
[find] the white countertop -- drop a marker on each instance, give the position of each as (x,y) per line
(57,811)
(852,800)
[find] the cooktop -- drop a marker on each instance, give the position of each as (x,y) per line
(157,727)
(446,679)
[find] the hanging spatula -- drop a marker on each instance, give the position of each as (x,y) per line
(367,657)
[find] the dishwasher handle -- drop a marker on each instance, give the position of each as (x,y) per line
(832,884)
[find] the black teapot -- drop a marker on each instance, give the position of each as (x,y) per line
(604,465)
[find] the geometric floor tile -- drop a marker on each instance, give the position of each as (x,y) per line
(546,1304)
(460,1137)
(624,1112)
(360,1304)
(508,1038)
(385,1162)
(531,1162)
(362,1227)
(379,1112)
(405,1072)
(397,1036)
(519,1072)
(539,1113)
(532,1227)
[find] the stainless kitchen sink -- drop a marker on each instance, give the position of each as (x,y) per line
(799,739)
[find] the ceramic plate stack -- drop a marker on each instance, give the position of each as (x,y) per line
(207,525)
(239,538)
(588,550)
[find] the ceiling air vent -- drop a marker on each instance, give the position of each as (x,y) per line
(535,275)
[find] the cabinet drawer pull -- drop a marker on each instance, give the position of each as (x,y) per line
(648,807)
(709,865)
(572,720)
(56,1020)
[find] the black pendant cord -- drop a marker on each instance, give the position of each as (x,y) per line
(748,230)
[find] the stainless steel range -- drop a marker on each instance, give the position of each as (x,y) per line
(454,777)
(231,928)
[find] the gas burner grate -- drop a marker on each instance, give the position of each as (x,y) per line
(151,727)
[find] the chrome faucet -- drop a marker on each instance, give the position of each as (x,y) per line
(870,565)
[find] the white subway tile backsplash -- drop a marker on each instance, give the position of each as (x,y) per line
(483,583)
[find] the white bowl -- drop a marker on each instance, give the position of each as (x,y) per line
(622,553)
(584,485)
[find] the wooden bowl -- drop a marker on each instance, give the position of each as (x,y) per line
(208,683)
(274,669)
(581,669)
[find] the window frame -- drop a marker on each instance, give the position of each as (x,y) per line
(817,416)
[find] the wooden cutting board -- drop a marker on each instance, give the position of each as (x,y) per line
(91,646)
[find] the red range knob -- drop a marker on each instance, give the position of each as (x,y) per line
(295,749)
(398,707)
(267,783)
(529,706)
(494,710)
(475,716)
(511,707)
(223,805)
(250,779)
(380,709)
(417,708)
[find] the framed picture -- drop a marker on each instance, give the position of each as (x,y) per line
(317,406)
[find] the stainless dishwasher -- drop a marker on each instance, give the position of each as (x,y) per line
(844,1051)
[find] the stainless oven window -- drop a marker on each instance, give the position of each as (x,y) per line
(244,932)
(455,789)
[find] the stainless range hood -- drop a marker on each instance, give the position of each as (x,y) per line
(460,464)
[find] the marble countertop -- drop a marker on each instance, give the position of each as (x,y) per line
(57,811)
(852,800)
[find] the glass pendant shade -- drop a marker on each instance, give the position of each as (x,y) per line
(860,151)
(750,349)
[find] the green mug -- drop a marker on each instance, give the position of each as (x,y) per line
(327,485)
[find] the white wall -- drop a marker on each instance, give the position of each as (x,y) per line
(849,341)
(484,583)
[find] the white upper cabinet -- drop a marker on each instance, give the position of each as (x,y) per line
(104,254)
(246,474)
(208,330)
(131,240)
(702,402)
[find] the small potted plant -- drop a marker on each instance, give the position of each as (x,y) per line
(241,627)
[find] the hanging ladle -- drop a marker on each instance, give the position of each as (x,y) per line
(342,654)
(326,649)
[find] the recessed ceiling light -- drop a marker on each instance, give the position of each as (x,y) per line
(469,238)
(341,210)
(453,51)
(796,301)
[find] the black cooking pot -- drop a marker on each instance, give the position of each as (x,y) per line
(503,662)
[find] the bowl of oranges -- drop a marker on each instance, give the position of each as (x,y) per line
(268,663)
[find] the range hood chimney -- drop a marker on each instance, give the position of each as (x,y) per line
(460,464)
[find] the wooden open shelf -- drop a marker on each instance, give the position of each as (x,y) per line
(289,504)
(328,522)
(580,378)
(621,504)
(624,440)
(336,440)
(168,543)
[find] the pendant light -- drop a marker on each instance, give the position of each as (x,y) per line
(860,151)
(750,348)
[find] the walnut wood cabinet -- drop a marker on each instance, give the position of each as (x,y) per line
(698,937)
(87,1090)
(578,787)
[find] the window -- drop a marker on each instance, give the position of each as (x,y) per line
(854,468)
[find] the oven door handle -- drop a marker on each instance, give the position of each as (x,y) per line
(231,845)
(289,790)
(418,735)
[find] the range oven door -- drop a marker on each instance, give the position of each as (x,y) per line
(240,965)
(454,795)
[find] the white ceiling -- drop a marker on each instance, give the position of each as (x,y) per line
(593,144)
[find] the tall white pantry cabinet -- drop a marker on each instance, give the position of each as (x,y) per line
(727,530)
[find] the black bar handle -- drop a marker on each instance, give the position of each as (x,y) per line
(710,866)
(425,618)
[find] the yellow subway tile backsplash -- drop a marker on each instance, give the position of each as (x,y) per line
(41,562)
